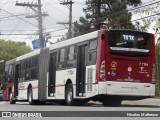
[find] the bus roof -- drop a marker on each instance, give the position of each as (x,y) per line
(36,52)
(11,61)
(74,40)
(71,41)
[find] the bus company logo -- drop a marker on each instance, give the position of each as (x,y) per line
(102,71)
(113,65)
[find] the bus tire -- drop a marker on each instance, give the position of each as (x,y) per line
(11,101)
(30,96)
(69,95)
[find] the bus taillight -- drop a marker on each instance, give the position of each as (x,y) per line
(153,74)
(102,71)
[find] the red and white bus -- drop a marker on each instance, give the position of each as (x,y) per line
(106,65)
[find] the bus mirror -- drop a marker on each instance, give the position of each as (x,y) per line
(102,37)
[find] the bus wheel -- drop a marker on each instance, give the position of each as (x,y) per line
(69,95)
(10,98)
(30,96)
(112,103)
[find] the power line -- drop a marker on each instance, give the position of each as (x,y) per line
(18,23)
(143,6)
(7,19)
(10,34)
(138,19)
(79,3)
(121,12)
(1,1)
(6,37)
(4,4)
(9,2)
(12,16)
(70,16)
(134,20)
(55,8)
(146,17)
(57,30)
(18,30)
(32,33)
(38,15)
(19,17)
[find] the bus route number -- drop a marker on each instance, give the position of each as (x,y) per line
(128,37)
(143,64)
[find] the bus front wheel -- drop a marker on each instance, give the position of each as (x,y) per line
(69,95)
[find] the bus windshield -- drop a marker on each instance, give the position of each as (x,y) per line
(129,44)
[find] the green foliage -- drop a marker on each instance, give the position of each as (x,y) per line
(10,50)
(158,70)
(112,14)
(158,52)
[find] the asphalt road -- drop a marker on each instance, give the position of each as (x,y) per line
(90,111)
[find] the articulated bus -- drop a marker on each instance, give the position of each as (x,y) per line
(106,65)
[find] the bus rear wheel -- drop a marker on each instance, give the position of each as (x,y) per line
(69,95)
(30,96)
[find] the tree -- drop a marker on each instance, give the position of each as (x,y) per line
(10,50)
(110,14)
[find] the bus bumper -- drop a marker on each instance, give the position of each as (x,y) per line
(127,88)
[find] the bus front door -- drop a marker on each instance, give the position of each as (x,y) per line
(16,80)
(81,69)
(52,75)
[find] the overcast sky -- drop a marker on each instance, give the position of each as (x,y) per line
(57,13)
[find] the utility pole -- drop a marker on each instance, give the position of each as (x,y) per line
(40,24)
(97,14)
(38,15)
(70,17)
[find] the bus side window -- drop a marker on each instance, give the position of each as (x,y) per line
(92,53)
(71,57)
(71,53)
(93,45)
(62,58)
(28,71)
(5,77)
(34,67)
(6,73)
(10,76)
(10,69)
(22,71)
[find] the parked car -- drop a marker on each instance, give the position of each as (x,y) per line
(1,95)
